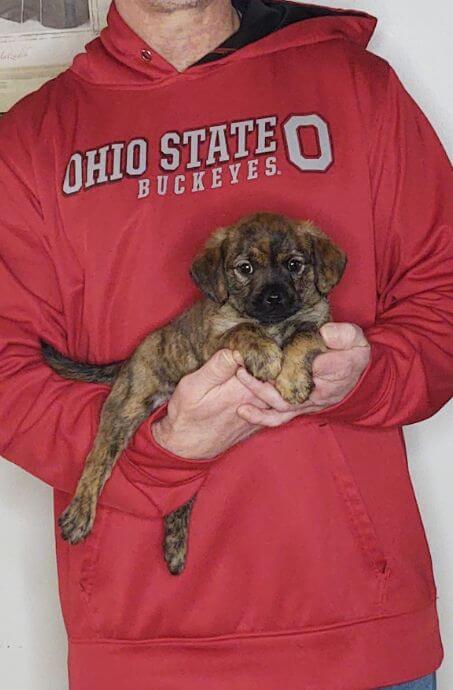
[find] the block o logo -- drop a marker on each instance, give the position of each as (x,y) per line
(318,163)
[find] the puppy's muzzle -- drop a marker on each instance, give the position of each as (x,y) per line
(273,304)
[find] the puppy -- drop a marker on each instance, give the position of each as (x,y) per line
(265,279)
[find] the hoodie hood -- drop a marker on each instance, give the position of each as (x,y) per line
(119,57)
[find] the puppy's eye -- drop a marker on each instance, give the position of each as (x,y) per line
(245,268)
(295,265)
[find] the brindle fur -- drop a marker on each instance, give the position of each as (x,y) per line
(277,340)
(176,536)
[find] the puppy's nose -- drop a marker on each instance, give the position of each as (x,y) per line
(273,295)
(274,298)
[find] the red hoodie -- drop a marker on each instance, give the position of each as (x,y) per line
(308,564)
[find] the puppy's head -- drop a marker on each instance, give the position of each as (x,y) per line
(268,266)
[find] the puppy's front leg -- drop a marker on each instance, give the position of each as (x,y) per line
(295,381)
(261,355)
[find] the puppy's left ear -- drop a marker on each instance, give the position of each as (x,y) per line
(207,270)
(328,259)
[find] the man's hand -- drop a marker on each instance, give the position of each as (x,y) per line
(201,420)
(221,404)
(335,374)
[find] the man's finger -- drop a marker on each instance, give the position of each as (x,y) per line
(325,398)
(253,415)
(217,370)
(264,391)
(343,336)
(310,407)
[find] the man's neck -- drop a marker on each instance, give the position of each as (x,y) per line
(182,35)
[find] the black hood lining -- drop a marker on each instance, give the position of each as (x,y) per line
(261,18)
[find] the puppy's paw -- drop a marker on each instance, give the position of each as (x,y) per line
(175,547)
(263,360)
(77,520)
(294,384)
(176,560)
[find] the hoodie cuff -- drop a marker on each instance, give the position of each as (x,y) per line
(367,395)
(166,467)
(166,479)
(157,450)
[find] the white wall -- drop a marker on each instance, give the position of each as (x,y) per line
(415,36)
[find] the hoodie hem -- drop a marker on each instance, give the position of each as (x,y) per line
(359,656)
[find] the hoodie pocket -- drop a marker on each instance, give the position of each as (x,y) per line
(123,582)
(356,513)
(355,509)
(278,542)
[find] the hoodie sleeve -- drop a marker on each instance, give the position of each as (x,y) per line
(410,374)
(48,424)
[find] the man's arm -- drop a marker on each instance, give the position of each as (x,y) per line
(48,424)
(406,373)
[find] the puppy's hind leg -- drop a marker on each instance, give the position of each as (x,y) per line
(177,536)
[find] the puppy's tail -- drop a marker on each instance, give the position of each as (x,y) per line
(79,371)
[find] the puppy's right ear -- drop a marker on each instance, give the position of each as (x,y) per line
(207,270)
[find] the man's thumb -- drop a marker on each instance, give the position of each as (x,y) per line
(219,368)
(343,336)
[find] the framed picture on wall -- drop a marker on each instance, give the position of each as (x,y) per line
(39,38)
